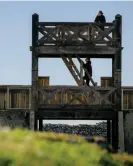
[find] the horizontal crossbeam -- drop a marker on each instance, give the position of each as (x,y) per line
(81,114)
(92,52)
(77,88)
(73,23)
(76,107)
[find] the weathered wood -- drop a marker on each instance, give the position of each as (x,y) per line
(81,62)
(76,106)
(78,91)
(73,23)
(51,96)
(82,39)
(105,34)
(77,88)
(34,92)
(109,131)
(77,115)
(76,97)
(77,34)
(82,82)
(117,81)
(73,65)
(69,66)
(41,124)
(92,52)
(73,69)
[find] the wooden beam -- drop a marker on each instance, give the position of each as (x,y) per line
(75,106)
(73,23)
(73,64)
(77,88)
(47,51)
(77,115)
(34,86)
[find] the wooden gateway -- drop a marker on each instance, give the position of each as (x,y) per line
(68,40)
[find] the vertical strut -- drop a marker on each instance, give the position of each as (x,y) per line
(34,92)
(119,128)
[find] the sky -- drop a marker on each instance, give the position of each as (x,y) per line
(15,39)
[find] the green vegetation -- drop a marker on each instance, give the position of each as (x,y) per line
(26,148)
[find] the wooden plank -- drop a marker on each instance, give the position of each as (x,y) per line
(106,81)
(73,88)
(80,115)
(76,107)
(2,100)
(69,66)
(54,50)
(73,23)
(43,81)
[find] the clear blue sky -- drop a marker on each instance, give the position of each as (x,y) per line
(15,39)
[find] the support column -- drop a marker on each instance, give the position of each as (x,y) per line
(40,124)
(35,124)
(115,132)
(109,131)
(117,83)
(34,87)
(7,99)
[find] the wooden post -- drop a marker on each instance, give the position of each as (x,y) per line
(40,124)
(109,131)
(34,87)
(117,126)
(7,98)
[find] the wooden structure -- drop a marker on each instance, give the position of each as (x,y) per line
(69,40)
(19,97)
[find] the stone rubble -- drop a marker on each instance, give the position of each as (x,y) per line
(100,129)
